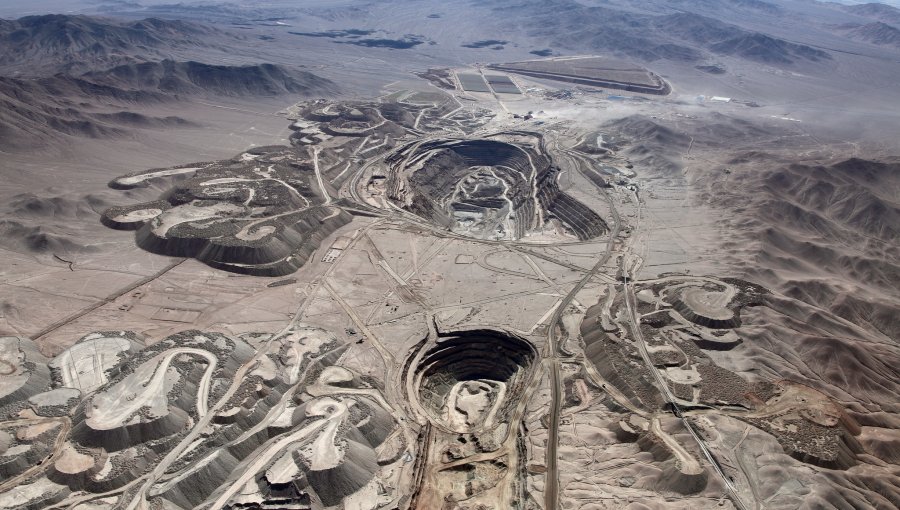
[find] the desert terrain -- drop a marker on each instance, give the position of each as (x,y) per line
(449,255)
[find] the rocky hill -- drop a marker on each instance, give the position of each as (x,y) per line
(878,33)
(667,32)
(39,45)
(879,11)
(191,77)
(92,77)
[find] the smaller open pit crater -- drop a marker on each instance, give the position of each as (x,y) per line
(471,380)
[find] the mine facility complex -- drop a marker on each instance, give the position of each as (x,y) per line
(456,307)
(594,71)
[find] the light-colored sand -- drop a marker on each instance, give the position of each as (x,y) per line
(32,431)
(71,461)
(682,376)
(707,303)
(147,388)
(257,234)
(189,213)
(137,179)
(84,365)
(19,496)
(138,215)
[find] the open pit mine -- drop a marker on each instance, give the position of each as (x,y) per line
(426,302)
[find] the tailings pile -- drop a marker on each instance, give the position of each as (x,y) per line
(261,213)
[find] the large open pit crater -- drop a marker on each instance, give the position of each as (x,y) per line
(487,188)
(471,380)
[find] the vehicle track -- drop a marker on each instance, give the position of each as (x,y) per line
(139,501)
(108,299)
(634,319)
(58,445)
(551,485)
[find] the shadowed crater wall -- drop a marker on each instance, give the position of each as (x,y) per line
(487,188)
(470,380)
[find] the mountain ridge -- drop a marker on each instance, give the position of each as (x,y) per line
(682,35)
(877,32)
(46,44)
